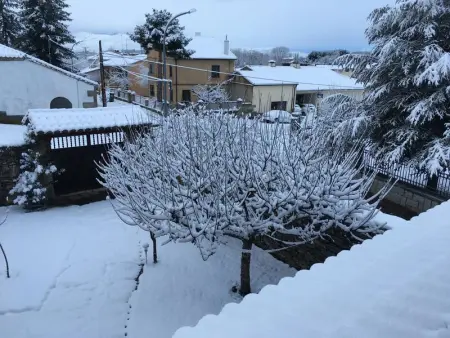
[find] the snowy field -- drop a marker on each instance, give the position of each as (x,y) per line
(73,274)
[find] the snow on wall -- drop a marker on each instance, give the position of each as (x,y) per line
(29,85)
(394,286)
(12,135)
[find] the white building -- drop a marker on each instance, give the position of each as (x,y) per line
(27,82)
(280,87)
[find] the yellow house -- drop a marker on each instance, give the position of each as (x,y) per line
(210,63)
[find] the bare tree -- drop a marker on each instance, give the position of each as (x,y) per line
(211,93)
(279,53)
(200,177)
(118,78)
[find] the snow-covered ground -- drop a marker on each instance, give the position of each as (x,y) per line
(73,274)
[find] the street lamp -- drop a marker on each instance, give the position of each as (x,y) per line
(193,10)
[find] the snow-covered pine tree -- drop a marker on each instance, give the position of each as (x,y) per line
(44,19)
(9,22)
(407,78)
(151,34)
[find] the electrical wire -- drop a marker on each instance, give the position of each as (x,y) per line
(246,76)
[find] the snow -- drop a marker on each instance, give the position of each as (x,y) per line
(109,42)
(396,285)
(209,48)
(111,59)
(192,287)
(8,52)
(73,274)
(12,135)
(57,120)
(306,77)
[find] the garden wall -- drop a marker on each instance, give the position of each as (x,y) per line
(405,200)
(306,255)
(9,170)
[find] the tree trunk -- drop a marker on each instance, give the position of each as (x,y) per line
(432,182)
(245,266)
(6,261)
(160,76)
(155,254)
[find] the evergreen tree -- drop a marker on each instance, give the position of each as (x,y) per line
(9,22)
(152,31)
(43,20)
(151,34)
(407,77)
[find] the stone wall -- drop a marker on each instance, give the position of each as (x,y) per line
(306,255)
(411,199)
(9,170)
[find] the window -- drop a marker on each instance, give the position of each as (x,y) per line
(170,71)
(150,68)
(278,105)
(152,90)
(186,95)
(215,71)
(171,95)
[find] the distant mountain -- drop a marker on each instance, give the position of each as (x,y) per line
(109,42)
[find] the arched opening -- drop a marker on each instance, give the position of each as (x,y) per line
(60,102)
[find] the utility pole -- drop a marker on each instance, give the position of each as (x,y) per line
(49,50)
(102,74)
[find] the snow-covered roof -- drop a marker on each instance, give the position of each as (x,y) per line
(11,53)
(77,119)
(12,135)
(209,48)
(307,77)
(111,59)
(393,286)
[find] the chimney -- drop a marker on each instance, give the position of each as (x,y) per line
(226,46)
(198,34)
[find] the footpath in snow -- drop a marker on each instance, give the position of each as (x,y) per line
(73,275)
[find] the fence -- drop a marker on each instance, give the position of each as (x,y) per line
(438,184)
(131,97)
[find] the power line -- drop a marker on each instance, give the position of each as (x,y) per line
(247,76)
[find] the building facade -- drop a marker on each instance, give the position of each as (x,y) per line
(211,63)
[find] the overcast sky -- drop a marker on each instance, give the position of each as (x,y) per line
(298,24)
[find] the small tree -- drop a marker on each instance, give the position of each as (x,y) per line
(199,177)
(211,93)
(30,189)
(118,78)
